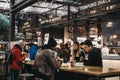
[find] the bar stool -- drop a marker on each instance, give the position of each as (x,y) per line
(27,76)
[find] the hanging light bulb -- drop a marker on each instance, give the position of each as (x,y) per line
(114,36)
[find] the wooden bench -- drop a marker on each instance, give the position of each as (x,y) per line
(27,76)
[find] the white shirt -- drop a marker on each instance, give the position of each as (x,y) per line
(105,50)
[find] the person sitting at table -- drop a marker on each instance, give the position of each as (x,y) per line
(26,50)
(83,54)
(27,68)
(45,64)
(94,54)
(33,50)
(94,58)
(64,53)
(77,53)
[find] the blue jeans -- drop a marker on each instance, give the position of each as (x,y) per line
(15,74)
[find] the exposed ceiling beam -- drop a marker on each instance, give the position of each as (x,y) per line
(3,1)
(22,5)
(53,9)
(49,8)
(25,3)
(66,3)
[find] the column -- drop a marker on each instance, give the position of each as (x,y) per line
(75,28)
(87,28)
(12,23)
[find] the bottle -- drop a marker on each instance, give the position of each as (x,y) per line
(71,62)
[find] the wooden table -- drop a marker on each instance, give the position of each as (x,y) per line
(96,72)
(29,62)
(27,66)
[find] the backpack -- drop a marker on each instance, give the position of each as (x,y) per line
(9,58)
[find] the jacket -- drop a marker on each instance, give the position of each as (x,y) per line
(17,58)
(46,63)
(33,51)
(94,58)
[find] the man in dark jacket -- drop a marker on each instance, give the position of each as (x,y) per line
(94,54)
(94,58)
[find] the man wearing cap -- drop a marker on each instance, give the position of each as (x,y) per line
(94,54)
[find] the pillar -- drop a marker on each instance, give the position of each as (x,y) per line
(87,28)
